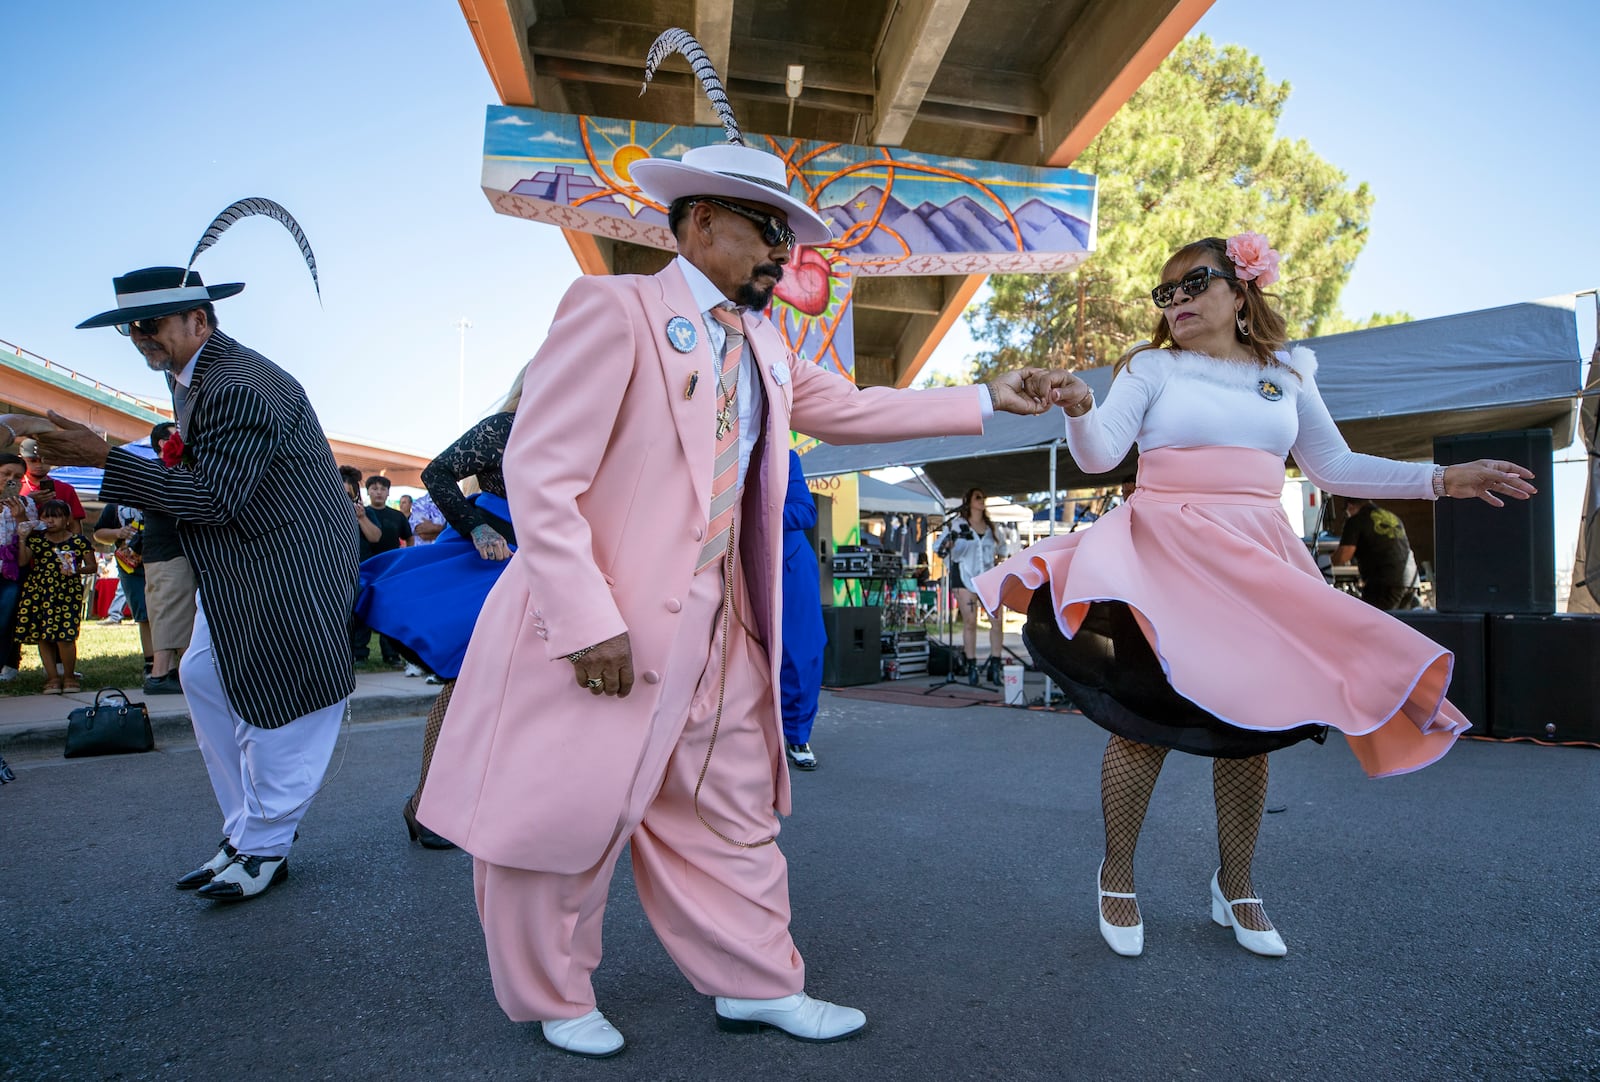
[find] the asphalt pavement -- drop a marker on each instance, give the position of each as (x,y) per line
(942,861)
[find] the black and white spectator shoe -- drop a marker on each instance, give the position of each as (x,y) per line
(207,871)
(246,876)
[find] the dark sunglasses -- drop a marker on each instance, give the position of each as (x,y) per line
(1193,284)
(774,232)
(145,327)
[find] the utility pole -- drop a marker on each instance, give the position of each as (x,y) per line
(462,325)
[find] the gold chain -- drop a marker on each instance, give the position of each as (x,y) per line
(722,688)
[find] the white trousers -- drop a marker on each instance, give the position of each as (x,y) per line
(264,779)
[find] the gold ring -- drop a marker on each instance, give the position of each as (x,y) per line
(596,682)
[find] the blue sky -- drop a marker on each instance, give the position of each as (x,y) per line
(128,126)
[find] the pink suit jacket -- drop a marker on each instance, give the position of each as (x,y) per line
(608,472)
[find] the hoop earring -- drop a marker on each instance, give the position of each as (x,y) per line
(1244,328)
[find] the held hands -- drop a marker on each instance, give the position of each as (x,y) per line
(1064,389)
(490,545)
(1488,480)
(1034,390)
(1016,391)
(21,425)
(606,668)
(71,444)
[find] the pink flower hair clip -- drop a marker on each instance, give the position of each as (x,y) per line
(1254,258)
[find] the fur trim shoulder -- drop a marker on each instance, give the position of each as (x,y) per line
(1302,360)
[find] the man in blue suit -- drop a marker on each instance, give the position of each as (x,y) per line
(804,638)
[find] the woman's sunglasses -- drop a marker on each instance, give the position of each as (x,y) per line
(775,233)
(1193,284)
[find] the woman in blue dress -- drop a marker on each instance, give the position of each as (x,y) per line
(427,597)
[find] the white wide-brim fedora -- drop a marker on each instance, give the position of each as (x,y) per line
(734,172)
(158,291)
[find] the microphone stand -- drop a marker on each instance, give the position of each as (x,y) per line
(945,617)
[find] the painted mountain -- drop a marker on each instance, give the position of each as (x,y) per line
(962,225)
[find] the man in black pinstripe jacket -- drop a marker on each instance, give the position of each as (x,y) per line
(265,521)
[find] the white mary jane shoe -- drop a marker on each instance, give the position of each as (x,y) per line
(800,1016)
(1125,940)
(590,1035)
(1268,944)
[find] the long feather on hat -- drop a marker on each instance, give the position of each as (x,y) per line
(245,208)
(681,41)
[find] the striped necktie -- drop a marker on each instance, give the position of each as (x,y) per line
(725,471)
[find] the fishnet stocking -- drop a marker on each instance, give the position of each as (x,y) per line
(1128,775)
(1240,786)
(430,734)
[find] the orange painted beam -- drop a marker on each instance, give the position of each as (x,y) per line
(1149,56)
(499,41)
(947,319)
(586,250)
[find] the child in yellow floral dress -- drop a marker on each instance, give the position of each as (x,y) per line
(55,557)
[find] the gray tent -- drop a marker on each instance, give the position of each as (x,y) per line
(1391,389)
(880,497)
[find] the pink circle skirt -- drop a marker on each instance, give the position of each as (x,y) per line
(1193,617)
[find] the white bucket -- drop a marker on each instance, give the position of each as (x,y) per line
(1013,685)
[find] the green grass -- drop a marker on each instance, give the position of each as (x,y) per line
(109,655)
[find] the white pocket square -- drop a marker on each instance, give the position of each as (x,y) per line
(780,373)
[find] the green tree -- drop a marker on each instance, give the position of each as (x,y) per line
(1194,152)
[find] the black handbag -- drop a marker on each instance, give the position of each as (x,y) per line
(110,729)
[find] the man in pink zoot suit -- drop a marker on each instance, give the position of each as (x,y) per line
(632,646)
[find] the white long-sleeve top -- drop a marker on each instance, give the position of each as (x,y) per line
(1177,398)
(976,554)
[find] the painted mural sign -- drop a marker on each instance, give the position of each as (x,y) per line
(893,212)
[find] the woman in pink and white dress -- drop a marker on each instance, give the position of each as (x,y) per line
(1192,616)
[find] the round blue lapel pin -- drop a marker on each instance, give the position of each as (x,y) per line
(1269,390)
(681,333)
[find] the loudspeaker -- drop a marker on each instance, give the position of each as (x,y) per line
(1464,635)
(1546,677)
(821,536)
(854,654)
(1497,559)
(941,658)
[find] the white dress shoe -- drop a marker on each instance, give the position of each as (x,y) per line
(798,1015)
(590,1035)
(246,876)
(1126,941)
(1269,943)
(207,871)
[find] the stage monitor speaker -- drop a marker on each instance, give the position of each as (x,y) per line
(854,654)
(1463,634)
(1497,559)
(821,536)
(1545,676)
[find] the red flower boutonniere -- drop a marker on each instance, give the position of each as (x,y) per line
(173,452)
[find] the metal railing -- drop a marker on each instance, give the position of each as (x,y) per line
(79,377)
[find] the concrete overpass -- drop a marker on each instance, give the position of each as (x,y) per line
(1022,81)
(33,384)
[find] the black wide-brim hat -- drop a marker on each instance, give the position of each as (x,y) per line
(158,291)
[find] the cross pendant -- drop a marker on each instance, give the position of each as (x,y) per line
(724,421)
